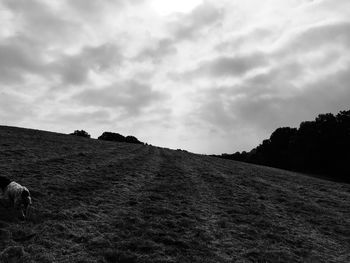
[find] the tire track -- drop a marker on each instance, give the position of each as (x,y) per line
(173,217)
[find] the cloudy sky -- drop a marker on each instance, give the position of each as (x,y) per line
(209,76)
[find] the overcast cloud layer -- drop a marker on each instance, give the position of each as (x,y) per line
(217,78)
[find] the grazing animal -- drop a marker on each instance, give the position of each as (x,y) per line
(17,195)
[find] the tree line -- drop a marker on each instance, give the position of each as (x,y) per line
(109,136)
(321,146)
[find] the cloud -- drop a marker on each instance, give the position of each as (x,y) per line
(328,94)
(215,112)
(17,58)
(14,108)
(247,40)
(39,18)
(221,76)
(43,33)
(302,78)
(73,117)
(130,97)
(228,66)
(74,69)
(98,11)
(267,108)
(188,26)
(92,8)
(163,48)
(315,37)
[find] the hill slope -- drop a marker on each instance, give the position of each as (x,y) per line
(97,201)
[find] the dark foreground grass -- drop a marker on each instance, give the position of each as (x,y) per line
(97,201)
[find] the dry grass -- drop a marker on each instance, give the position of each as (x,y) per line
(97,201)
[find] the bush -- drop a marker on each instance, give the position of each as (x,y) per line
(81,133)
(111,136)
(116,137)
(132,139)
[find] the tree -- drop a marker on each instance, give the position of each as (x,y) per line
(132,139)
(111,136)
(319,146)
(116,137)
(81,133)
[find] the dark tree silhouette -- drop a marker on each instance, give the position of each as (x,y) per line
(81,133)
(111,136)
(320,146)
(132,139)
(116,137)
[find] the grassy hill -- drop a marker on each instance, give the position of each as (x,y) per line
(98,201)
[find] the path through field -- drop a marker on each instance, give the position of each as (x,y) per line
(98,201)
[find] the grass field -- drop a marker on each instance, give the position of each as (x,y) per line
(96,201)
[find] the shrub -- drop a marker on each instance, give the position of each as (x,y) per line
(111,136)
(81,133)
(116,137)
(132,139)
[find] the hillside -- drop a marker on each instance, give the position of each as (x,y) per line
(97,201)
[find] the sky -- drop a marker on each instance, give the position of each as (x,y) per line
(208,76)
